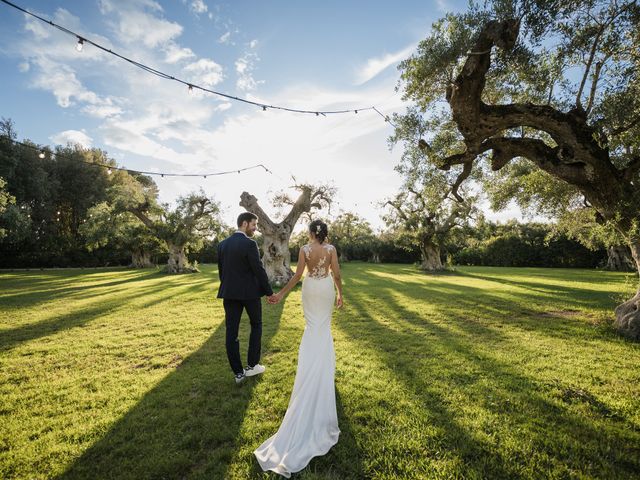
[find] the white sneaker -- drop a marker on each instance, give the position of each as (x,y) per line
(255,370)
(240,378)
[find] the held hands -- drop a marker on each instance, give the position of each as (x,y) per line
(274,299)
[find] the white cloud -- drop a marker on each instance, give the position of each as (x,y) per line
(39,30)
(205,72)
(61,80)
(198,6)
(102,111)
(134,24)
(74,137)
(108,6)
(223,106)
(253,44)
(174,53)
(224,38)
(375,66)
(244,68)
(24,67)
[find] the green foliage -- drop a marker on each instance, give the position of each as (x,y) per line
(52,198)
(195,218)
(352,236)
(6,201)
(105,226)
(424,210)
(524,245)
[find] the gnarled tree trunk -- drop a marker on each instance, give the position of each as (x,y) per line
(141,259)
(628,314)
(178,261)
(430,253)
(276,257)
(619,259)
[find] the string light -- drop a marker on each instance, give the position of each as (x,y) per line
(166,76)
(386,117)
(190,89)
(111,168)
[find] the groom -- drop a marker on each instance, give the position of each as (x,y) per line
(243,281)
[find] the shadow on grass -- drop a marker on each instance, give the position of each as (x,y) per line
(99,306)
(520,308)
(186,426)
(84,286)
(437,363)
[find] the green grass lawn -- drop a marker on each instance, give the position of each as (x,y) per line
(478,373)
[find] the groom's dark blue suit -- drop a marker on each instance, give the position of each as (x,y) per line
(243,281)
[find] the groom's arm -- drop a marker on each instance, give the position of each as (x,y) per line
(258,269)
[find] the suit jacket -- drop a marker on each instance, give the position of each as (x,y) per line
(242,276)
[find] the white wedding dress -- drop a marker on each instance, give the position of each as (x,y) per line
(310,425)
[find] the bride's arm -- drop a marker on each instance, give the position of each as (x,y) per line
(296,277)
(337,278)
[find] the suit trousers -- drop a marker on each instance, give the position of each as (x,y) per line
(233,312)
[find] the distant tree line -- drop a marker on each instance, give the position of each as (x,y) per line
(64,211)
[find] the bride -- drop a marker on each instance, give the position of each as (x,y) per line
(310,425)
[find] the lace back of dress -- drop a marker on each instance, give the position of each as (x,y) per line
(318,259)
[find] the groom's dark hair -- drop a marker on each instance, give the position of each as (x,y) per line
(246,217)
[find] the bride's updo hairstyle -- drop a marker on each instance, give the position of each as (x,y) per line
(319,229)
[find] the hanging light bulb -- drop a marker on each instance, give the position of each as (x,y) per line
(80,44)
(190,90)
(356,111)
(264,108)
(41,155)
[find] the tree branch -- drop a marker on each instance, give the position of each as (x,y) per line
(140,215)
(592,54)
(624,128)
(466,171)
(250,204)
(398,209)
(594,83)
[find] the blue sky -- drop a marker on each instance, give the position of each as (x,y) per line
(315,55)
